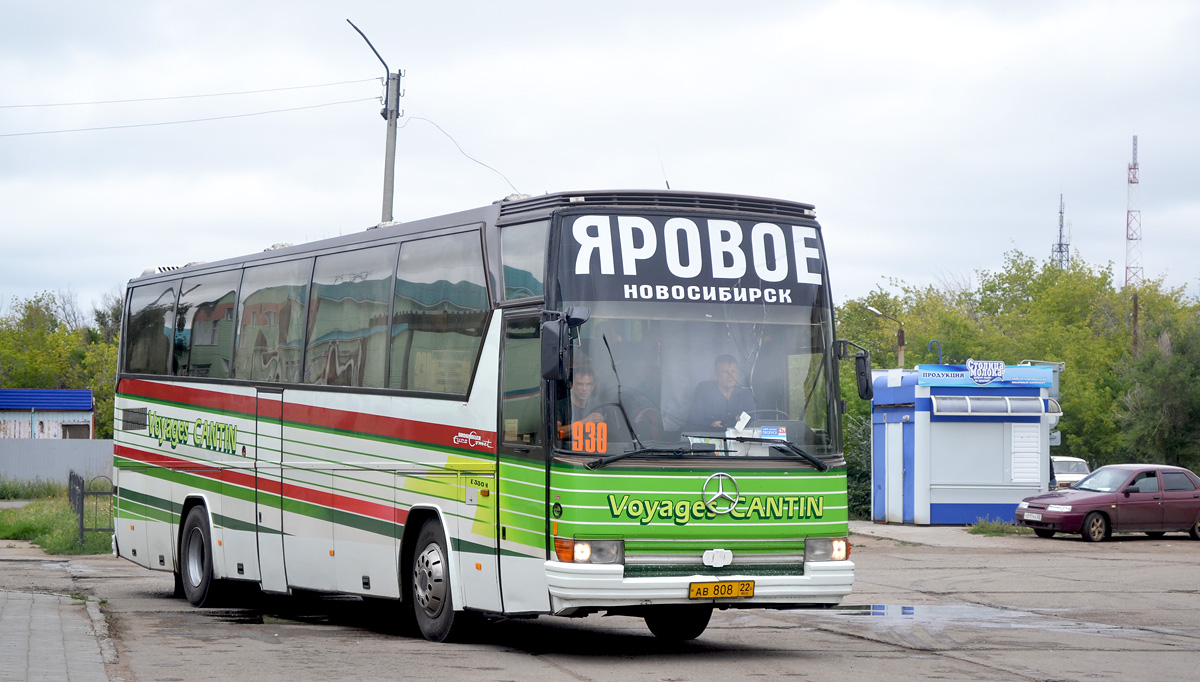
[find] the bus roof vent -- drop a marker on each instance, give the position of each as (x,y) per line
(278,245)
(634,200)
(160,269)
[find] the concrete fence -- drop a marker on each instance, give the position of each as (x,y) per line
(25,459)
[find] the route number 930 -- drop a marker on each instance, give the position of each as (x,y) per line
(591,437)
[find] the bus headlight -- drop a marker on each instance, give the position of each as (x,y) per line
(826,549)
(568,550)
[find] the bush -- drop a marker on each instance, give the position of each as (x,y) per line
(987,526)
(857,447)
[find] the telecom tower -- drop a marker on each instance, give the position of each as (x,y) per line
(1133,228)
(1060,253)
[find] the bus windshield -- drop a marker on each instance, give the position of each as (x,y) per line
(660,371)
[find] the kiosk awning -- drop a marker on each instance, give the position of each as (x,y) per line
(993,406)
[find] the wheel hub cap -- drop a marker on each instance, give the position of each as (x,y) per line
(429,580)
(194,558)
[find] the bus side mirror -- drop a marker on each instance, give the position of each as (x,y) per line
(862,373)
(556,338)
(862,367)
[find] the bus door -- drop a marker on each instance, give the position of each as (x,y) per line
(521,452)
(268,476)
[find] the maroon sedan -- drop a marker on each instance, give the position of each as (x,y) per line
(1148,498)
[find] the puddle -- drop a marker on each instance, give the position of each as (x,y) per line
(67,566)
(951,616)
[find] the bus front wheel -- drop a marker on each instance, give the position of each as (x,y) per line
(432,602)
(195,558)
(678,622)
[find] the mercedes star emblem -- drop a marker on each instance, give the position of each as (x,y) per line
(717,488)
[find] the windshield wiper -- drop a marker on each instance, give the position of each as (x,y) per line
(784,446)
(677,451)
(620,402)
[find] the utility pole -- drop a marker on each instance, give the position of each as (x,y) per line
(391,113)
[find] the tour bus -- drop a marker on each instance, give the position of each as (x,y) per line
(619,402)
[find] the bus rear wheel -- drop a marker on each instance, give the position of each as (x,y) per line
(432,599)
(678,622)
(195,559)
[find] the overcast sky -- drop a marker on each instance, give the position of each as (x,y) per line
(931,136)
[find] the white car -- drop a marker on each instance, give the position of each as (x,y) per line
(1069,470)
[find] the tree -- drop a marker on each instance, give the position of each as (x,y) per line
(108,315)
(1160,413)
(36,349)
(1030,310)
(44,344)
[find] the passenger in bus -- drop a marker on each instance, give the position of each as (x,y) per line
(719,403)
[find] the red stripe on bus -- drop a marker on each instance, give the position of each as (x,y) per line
(391,427)
(290,491)
(477,440)
(215,400)
(270,407)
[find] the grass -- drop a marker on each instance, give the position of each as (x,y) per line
(49,522)
(12,489)
(986,526)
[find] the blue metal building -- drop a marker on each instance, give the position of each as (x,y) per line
(952,444)
(46,413)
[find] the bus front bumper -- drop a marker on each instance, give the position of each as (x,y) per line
(601,586)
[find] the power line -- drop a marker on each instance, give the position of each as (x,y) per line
(163,99)
(460,149)
(193,120)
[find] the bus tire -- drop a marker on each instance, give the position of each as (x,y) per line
(195,559)
(432,600)
(678,622)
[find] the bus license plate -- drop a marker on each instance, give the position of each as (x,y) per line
(725,589)
(1031,516)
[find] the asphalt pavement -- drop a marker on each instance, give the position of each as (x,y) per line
(48,631)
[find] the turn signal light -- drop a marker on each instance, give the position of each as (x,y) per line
(564,549)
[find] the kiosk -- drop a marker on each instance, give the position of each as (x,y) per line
(953,444)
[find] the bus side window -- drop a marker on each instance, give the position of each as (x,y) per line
(439,314)
(151,322)
(523,254)
(347,319)
(271,321)
(521,413)
(204,325)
